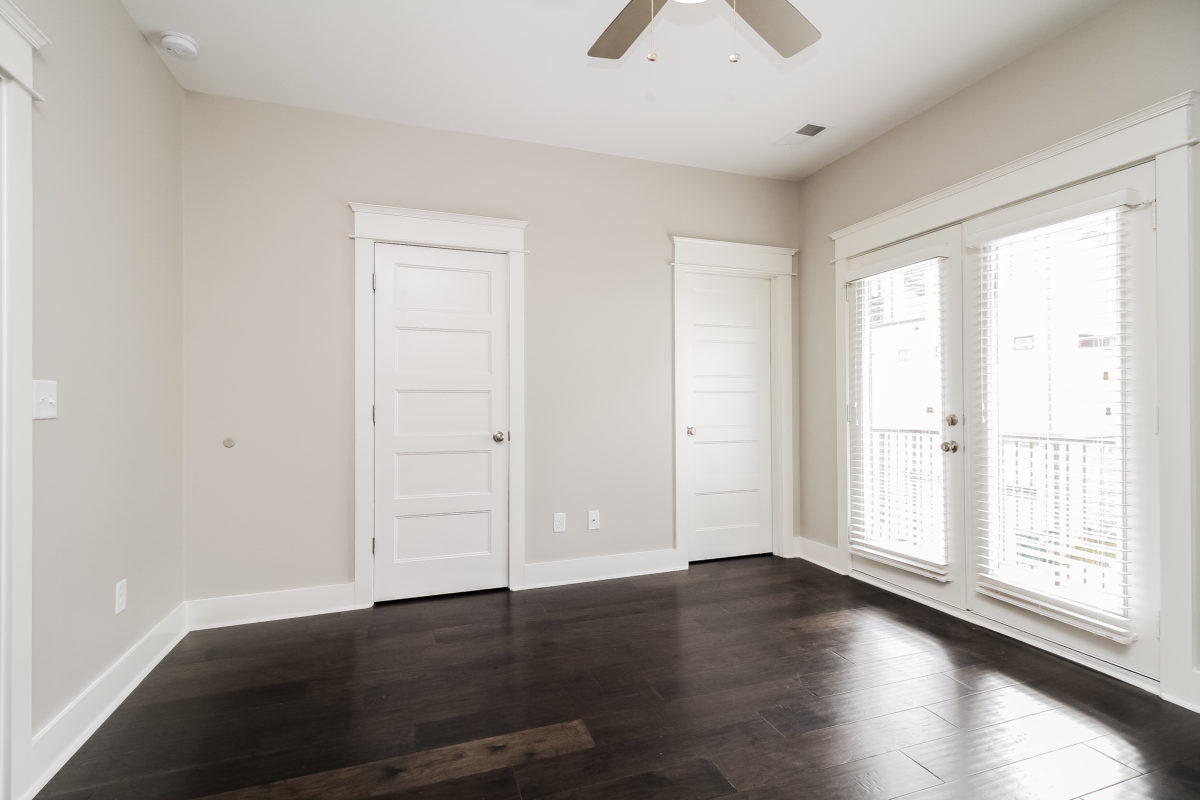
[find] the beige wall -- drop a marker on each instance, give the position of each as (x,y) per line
(269,338)
(107,273)
(1127,58)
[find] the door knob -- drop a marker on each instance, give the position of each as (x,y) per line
(691,431)
(950,446)
(498,436)
(952,420)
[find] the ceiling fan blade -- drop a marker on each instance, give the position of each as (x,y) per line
(779,24)
(625,29)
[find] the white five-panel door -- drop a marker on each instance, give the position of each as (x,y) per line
(441,421)
(723,387)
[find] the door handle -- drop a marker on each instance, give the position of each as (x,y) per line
(950,446)
(498,436)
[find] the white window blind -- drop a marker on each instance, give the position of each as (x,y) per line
(1051,439)
(898,505)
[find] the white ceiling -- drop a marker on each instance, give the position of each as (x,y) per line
(518,69)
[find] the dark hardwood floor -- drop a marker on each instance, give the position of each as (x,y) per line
(756,678)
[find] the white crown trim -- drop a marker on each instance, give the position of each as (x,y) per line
(23,25)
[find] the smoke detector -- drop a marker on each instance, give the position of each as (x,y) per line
(180,45)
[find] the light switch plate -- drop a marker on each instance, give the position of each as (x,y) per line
(122,595)
(593,520)
(45,399)
(560,522)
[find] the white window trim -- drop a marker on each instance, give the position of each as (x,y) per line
(387,225)
(1164,134)
(19,38)
(709,257)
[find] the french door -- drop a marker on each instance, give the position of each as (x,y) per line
(1001,422)
(905,416)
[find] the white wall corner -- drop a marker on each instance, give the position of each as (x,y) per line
(62,737)
(823,555)
(598,568)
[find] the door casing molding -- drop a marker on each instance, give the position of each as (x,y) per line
(373,225)
(21,759)
(710,257)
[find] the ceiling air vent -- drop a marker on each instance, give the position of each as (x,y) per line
(810,130)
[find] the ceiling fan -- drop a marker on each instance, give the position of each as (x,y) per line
(776,21)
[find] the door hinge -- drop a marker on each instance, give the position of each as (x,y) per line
(372,414)
(372,545)
(373,275)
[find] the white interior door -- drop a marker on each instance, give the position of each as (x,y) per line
(723,390)
(441,421)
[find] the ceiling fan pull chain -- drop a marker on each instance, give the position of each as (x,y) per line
(652,56)
(734,56)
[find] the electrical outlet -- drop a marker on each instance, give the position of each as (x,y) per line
(122,594)
(560,522)
(593,520)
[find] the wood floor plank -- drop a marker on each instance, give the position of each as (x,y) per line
(875,778)
(991,707)
(1059,775)
(690,683)
(1176,782)
(970,752)
(696,779)
(613,762)
(809,714)
(428,767)
(828,747)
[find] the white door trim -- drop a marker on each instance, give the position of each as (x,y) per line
(706,256)
(384,224)
(19,38)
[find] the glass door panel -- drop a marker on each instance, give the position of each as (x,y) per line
(1064,536)
(904,416)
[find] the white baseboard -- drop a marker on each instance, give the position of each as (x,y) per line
(599,568)
(823,555)
(1190,705)
(242,609)
(55,743)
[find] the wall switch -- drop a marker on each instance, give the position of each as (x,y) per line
(593,520)
(122,588)
(45,399)
(560,522)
